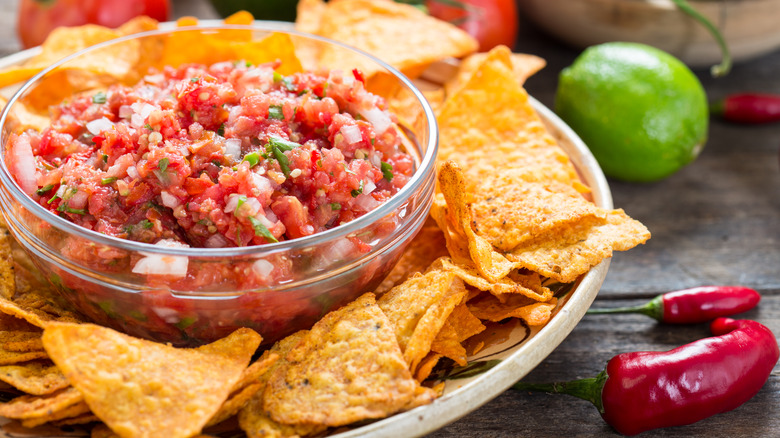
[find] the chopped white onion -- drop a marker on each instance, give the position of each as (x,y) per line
(338,250)
(366,202)
(61,191)
(264,220)
(253,206)
(375,158)
(231,203)
(351,134)
(97,126)
(159,264)
(143,109)
(369,187)
(171,316)
(262,183)
(169,200)
(136,121)
(216,241)
(378,118)
(125,111)
(78,200)
(132,172)
(263,267)
(24,165)
(233,148)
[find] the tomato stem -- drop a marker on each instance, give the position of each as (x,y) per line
(724,67)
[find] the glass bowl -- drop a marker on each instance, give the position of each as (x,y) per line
(276,288)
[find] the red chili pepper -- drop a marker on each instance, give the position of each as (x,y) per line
(358,75)
(648,390)
(748,108)
(692,306)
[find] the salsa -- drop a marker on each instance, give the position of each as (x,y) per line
(225,155)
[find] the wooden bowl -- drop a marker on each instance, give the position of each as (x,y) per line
(751,27)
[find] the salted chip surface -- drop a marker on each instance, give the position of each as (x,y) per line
(508,212)
(573,252)
(34,406)
(418,309)
(141,388)
(348,368)
(523,66)
(399,34)
(7,282)
(34,377)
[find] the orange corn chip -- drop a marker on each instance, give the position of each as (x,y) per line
(488,307)
(34,406)
(399,34)
(348,368)
(7,282)
(141,388)
(35,377)
(523,66)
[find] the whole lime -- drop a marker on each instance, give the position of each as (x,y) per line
(641,111)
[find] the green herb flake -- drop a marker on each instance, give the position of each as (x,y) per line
(99,97)
(64,208)
(146,224)
(195,79)
(148,126)
(261,230)
(358,191)
(335,206)
(278,77)
(221,130)
(276,112)
(185,322)
(44,189)
(387,170)
(252,158)
(105,158)
(276,148)
(163,164)
(288,83)
(109,180)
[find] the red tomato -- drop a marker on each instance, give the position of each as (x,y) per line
(491,22)
(36,18)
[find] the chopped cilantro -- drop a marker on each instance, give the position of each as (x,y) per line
(288,83)
(149,127)
(319,163)
(185,322)
(221,130)
(64,208)
(278,77)
(253,158)
(358,191)
(387,170)
(261,230)
(44,189)
(241,201)
(163,164)
(276,147)
(335,206)
(99,97)
(195,79)
(109,180)
(105,158)
(276,112)
(146,224)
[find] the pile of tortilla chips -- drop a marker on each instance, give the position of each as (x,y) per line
(510,217)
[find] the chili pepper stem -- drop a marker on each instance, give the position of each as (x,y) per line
(587,389)
(653,308)
(724,67)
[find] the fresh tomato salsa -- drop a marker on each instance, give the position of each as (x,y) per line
(225,155)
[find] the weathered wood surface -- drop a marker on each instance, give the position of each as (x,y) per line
(715,222)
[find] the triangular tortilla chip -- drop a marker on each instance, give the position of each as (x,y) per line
(141,388)
(348,368)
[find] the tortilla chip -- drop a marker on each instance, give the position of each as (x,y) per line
(418,308)
(488,307)
(87,418)
(509,213)
(253,419)
(572,254)
(21,341)
(7,283)
(490,264)
(14,357)
(36,377)
(399,34)
(309,14)
(523,66)
(36,309)
(426,366)
(34,406)
(141,388)
(348,368)
(76,410)
(274,47)
(244,389)
(524,285)
(504,133)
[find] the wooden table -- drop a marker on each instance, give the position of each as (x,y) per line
(715,222)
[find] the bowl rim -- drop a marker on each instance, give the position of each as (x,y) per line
(424,169)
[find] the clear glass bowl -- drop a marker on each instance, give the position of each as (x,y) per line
(312,275)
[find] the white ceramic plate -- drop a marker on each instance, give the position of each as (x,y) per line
(518,355)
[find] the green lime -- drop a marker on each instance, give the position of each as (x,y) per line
(640,110)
